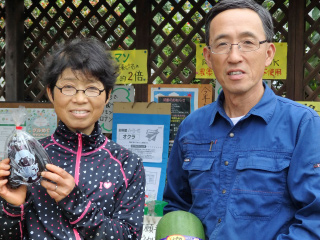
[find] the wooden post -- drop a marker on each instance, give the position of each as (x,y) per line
(143,31)
(14,48)
(295,74)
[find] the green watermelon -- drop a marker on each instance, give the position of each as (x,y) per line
(181,223)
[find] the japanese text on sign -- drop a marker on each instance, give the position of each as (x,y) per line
(278,67)
(314,105)
(180,109)
(132,66)
(150,227)
(144,140)
(119,93)
(201,94)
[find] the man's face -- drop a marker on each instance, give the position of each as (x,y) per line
(239,73)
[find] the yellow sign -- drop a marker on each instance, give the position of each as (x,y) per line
(277,69)
(202,69)
(132,66)
(314,105)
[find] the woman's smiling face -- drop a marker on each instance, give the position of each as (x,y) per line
(78,112)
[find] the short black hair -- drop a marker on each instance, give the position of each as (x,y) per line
(87,55)
(224,5)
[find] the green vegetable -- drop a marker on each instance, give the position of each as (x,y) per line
(180,222)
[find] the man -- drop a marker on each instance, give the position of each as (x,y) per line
(248,164)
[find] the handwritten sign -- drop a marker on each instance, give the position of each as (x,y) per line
(314,105)
(202,69)
(132,66)
(119,93)
(277,69)
(149,227)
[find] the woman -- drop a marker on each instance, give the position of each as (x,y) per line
(94,188)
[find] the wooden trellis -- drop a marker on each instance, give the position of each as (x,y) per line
(311,59)
(139,24)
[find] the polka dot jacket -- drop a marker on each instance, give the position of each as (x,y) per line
(107,202)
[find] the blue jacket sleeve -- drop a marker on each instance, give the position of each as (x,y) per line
(304,182)
(177,191)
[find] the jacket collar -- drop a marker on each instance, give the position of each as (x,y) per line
(264,108)
(89,142)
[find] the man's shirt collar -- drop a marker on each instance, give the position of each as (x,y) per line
(264,108)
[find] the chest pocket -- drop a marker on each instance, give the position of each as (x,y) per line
(202,163)
(259,187)
(200,179)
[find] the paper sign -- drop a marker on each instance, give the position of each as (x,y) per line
(132,66)
(144,140)
(314,105)
(277,69)
(200,94)
(41,123)
(120,93)
(180,109)
(144,128)
(153,175)
(149,227)
(202,69)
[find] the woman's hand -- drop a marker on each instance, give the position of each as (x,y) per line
(58,183)
(15,196)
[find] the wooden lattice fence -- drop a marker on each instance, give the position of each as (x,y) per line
(168,29)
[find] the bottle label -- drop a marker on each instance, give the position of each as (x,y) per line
(180,237)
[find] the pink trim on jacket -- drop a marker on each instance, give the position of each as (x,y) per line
(121,168)
(82,215)
(78,159)
(20,224)
(76,233)
(74,152)
(12,215)
(78,154)
(17,215)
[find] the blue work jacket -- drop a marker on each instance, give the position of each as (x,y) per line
(256,180)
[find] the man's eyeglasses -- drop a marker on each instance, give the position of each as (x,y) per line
(243,46)
(70,91)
